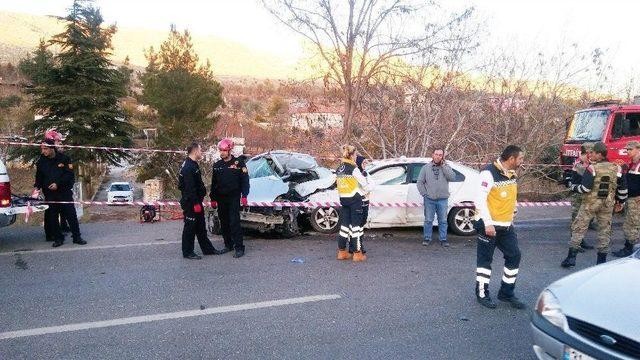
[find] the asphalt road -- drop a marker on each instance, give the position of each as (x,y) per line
(406,301)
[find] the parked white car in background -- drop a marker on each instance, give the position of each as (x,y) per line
(11,206)
(120,193)
(395,181)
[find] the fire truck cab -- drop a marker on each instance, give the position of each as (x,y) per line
(611,122)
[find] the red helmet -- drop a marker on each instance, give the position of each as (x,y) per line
(225,145)
(53,135)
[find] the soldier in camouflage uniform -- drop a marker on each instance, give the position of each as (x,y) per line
(602,184)
(631,225)
(575,177)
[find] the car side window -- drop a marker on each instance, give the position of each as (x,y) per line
(392,175)
(415,172)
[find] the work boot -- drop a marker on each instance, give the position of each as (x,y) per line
(79,241)
(193,257)
(486,301)
(570,261)
(344,255)
(239,253)
(359,256)
(602,258)
(513,301)
(224,250)
(627,250)
(57,243)
(585,246)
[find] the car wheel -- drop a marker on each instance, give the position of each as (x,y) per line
(325,220)
(213,222)
(461,221)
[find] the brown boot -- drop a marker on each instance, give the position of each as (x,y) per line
(359,256)
(344,255)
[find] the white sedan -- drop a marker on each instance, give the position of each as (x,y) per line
(120,193)
(395,181)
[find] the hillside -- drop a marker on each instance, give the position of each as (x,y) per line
(20,33)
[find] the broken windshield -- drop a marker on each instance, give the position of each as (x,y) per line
(588,125)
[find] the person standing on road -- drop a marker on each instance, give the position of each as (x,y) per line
(574,178)
(496,205)
(631,225)
(193,192)
(352,187)
(229,189)
(433,185)
(362,163)
(57,138)
(603,185)
(55,178)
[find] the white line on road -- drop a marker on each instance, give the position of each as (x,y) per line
(164,316)
(95,247)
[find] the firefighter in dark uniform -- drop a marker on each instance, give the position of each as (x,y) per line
(193,192)
(55,178)
(352,187)
(496,205)
(229,190)
(57,137)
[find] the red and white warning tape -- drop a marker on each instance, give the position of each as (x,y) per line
(105,148)
(305,204)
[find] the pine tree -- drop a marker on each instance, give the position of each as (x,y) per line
(37,66)
(79,95)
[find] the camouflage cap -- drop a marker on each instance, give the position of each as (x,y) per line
(633,145)
(600,148)
(586,147)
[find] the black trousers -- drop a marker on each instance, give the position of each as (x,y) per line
(229,214)
(351,230)
(365,211)
(52,221)
(194,226)
(507,242)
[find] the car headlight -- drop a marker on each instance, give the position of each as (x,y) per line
(549,308)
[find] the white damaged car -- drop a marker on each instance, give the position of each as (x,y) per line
(281,176)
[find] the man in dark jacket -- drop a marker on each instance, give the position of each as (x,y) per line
(193,192)
(55,178)
(229,189)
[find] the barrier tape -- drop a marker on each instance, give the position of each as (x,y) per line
(106,148)
(310,205)
(167,151)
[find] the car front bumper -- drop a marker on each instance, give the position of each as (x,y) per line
(550,342)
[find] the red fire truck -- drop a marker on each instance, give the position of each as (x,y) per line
(611,122)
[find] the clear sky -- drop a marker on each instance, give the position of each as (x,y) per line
(544,24)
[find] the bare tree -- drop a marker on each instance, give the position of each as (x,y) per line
(359,40)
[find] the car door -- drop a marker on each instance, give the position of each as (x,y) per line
(415,215)
(391,187)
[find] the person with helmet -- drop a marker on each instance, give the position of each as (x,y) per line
(55,178)
(57,138)
(193,192)
(352,187)
(604,187)
(229,190)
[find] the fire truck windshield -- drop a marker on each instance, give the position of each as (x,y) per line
(588,126)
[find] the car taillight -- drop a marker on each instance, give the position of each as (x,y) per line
(5,194)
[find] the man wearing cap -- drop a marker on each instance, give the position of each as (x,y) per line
(631,225)
(55,178)
(575,177)
(229,189)
(603,185)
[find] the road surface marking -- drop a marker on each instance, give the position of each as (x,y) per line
(163,316)
(95,247)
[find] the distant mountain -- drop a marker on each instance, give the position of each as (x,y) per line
(21,33)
